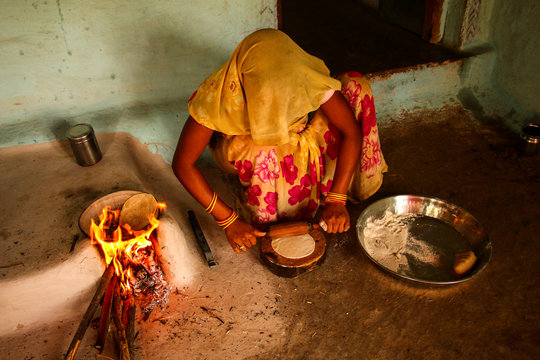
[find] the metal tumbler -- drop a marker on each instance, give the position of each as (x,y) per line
(84,144)
(530,139)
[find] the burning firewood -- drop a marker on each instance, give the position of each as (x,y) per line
(148,281)
(79,334)
(132,263)
(123,348)
(104,319)
(130,328)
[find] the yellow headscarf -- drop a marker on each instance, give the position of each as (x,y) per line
(268,85)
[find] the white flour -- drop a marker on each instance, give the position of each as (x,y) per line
(388,241)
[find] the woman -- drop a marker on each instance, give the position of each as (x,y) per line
(273,116)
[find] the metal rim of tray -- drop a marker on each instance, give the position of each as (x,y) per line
(456,217)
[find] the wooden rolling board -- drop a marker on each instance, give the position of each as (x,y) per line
(287,267)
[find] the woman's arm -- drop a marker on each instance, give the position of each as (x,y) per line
(340,115)
(192,142)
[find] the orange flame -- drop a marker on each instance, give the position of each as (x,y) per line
(121,243)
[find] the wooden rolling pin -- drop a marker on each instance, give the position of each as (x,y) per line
(291,229)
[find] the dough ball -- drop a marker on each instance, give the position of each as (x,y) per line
(463,263)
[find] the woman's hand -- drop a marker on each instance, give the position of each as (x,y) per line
(192,142)
(336,217)
(242,235)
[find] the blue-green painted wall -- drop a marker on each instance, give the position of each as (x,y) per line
(515,35)
(131,65)
(122,65)
(503,79)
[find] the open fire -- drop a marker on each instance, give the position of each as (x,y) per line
(132,253)
(133,275)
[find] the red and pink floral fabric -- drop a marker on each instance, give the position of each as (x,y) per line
(289,181)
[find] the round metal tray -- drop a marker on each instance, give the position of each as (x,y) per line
(417,238)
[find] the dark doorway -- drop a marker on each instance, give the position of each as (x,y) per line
(349,35)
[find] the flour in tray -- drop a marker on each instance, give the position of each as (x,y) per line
(388,241)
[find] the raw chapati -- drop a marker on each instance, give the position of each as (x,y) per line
(137,209)
(294,247)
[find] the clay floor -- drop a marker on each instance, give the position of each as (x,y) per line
(347,309)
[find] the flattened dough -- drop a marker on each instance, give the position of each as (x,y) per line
(294,247)
(137,209)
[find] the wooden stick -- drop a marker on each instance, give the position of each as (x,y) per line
(10,266)
(130,330)
(105,318)
(212,314)
(123,348)
(125,313)
(291,229)
(157,249)
(117,335)
(79,334)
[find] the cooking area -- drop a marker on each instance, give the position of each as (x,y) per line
(110,257)
(240,308)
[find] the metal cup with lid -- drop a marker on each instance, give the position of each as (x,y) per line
(84,144)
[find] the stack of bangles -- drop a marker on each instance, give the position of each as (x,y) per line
(225,223)
(212,204)
(335,198)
